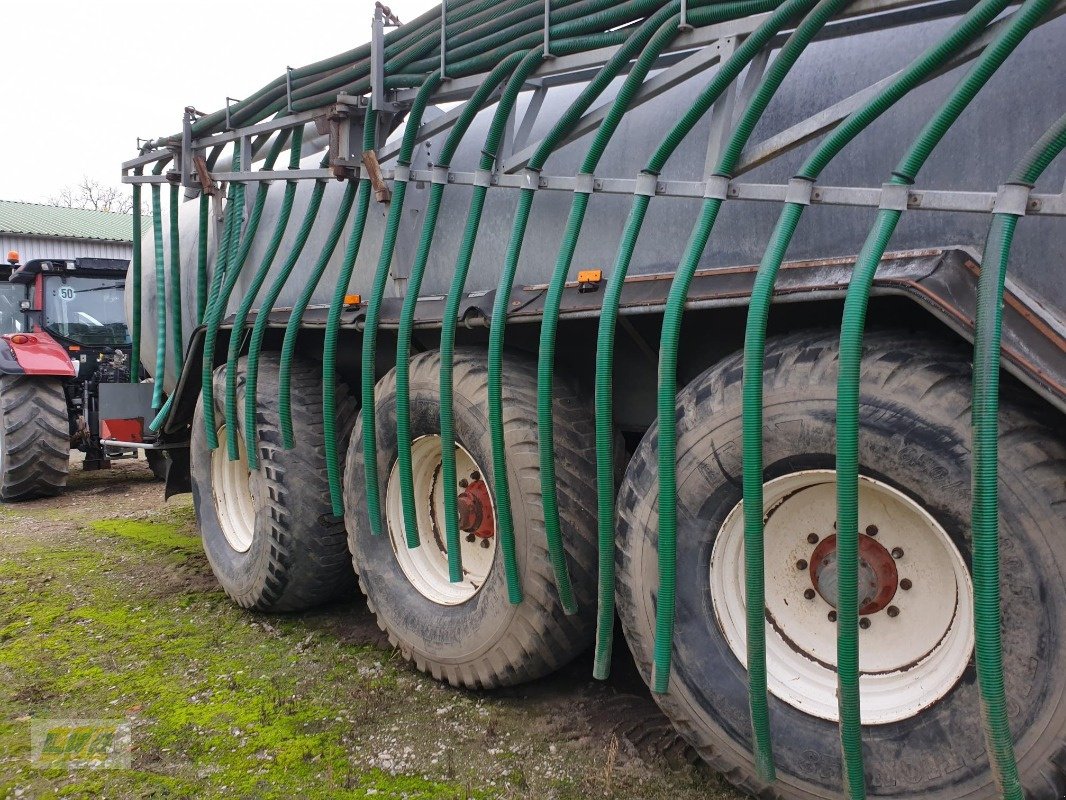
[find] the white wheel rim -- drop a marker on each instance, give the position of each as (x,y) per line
(232,490)
(426,566)
(917,644)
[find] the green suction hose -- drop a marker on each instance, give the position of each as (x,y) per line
(175,280)
(240,319)
(292,327)
(219,302)
(851,335)
(262,318)
(377,292)
(136,266)
(755,334)
(722,79)
(333,321)
(665,23)
(231,228)
(201,257)
(667,404)
(985,414)
(407,317)
(160,293)
(451,313)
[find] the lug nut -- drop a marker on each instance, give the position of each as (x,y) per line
(463,483)
(808,593)
(892,611)
(832,616)
(470,537)
(864,623)
(905,584)
(812,538)
(871,530)
(485,543)
(897,552)
(475,476)
(801,564)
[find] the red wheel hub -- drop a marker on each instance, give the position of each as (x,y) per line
(878,577)
(475,510)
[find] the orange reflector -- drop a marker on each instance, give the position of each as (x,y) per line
(590,276)
(21,338)
(74,348)
(353,299)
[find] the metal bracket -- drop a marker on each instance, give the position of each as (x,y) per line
(185,156)
(547,29)
(401,173)
(584,183)
(383,17)
(1012,198)
(288,89)
(895,196)
(483,177)
(443,40)
(647,183)
(229,100)
(682,22)
(531,179)
(440,174)
(717,187)
(799,191)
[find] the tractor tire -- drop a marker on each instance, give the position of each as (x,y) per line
(467,633)
(34,437)
(158,462)
(270,534)
(922,731)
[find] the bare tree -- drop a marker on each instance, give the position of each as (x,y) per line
(91,194)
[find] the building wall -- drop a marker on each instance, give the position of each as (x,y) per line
(30,247)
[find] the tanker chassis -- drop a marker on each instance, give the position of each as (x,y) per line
(742,321)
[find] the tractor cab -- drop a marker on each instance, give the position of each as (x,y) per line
(79,304)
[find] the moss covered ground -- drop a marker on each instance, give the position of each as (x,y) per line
(108,610)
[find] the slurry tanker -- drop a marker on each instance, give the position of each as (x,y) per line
(742,321)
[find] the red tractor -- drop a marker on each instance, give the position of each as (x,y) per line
(63,326)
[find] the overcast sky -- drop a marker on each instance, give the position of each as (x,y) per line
(81,80)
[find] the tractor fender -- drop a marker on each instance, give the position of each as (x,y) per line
(35,353)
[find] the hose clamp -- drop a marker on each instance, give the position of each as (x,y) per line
(584,183)
(440,174)
(799,191)
(483,177)
(716,188)
(1013,199)
(894,196)
(647,182)
(530,179)
(402,173)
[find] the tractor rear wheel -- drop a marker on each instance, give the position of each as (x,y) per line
(34,437)
(920,706)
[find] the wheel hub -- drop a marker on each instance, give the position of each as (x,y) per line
(878,577)
(473,502)
(915,598)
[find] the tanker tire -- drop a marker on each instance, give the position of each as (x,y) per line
(34,437)
(485,641)
(915,436)
(298,556)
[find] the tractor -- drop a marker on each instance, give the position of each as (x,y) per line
(64,332)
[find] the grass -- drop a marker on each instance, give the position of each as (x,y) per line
(119,618)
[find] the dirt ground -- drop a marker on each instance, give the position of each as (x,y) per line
(108,610)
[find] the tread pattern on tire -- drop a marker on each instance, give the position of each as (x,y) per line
(309,563)
(939,372)
(36,437)
(541,638)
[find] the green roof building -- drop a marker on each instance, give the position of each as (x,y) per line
(40,231)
